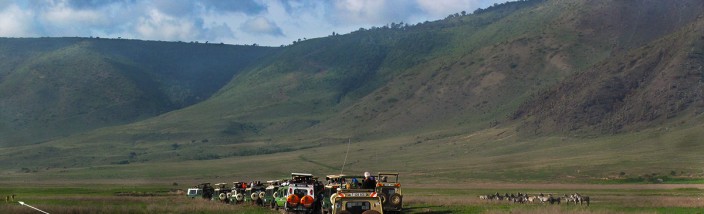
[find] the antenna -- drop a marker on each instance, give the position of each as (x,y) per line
(23,204)
(348,151)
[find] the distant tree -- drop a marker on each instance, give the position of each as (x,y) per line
(464,13)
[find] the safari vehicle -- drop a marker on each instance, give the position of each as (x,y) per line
(297,195)
(238,192)
(203,190)
(388,189)
(356,201)
(254,193)
(194,192)
(222,192)
(271,188)
(332,183)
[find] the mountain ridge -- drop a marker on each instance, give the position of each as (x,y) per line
(529,81)
(69,85)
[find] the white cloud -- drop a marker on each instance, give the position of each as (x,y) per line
(440,9)
(361,11)
(261,25)
(61,16)
(16,22)
(158,26)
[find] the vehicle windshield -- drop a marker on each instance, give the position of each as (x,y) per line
(357,206)
(388,191)
(300,191)
(386,178)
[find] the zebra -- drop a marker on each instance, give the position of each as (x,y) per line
(581,199)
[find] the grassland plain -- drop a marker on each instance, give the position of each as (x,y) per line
(418,198)
(498,154)
(441,104)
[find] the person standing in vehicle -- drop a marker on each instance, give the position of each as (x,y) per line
(369,182)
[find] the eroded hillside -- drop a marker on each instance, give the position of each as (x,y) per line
(507,84)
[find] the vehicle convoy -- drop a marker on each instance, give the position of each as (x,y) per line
(303,193)
(297,195)
(388,188)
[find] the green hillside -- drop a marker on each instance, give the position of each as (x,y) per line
(51,87)
(528,90)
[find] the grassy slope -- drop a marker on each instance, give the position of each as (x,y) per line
(59,86)
(436,104)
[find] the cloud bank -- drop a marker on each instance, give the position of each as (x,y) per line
(265,22)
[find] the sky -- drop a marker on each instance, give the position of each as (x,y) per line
(264,22)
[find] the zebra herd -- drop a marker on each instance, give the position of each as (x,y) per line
(542,198)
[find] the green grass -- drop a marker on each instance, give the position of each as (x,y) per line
(106,198)
(489,155)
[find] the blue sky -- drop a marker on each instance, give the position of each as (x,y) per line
(265,22)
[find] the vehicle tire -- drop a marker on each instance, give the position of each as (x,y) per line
(254,196)
(239,197)
(396,200)
(371,212)
(383,198)
(221,196)
(262,194)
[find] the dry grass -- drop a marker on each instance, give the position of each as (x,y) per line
(556,210)
(655,201)
(118,204)
(558,186)
(608,199)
